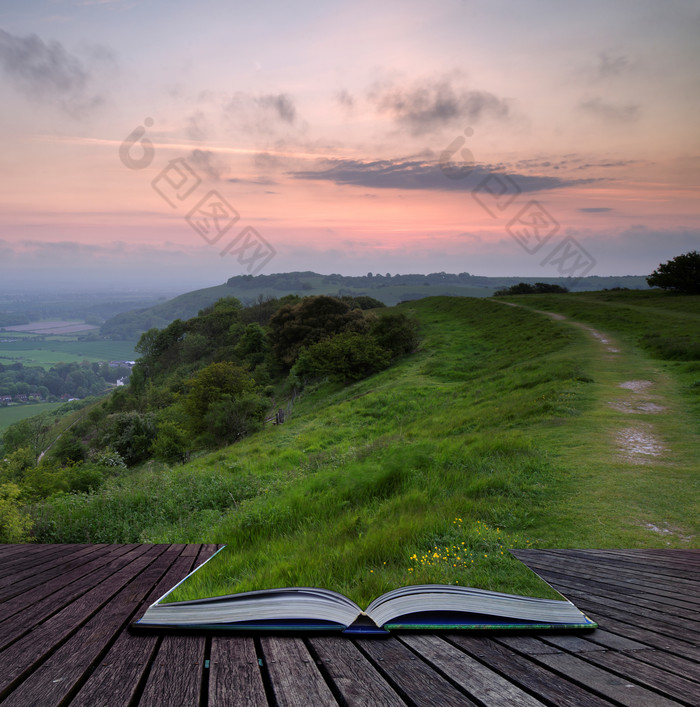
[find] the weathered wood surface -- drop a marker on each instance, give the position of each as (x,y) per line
(64,639)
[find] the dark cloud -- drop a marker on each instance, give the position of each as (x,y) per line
(47,72)
(595,209)
(610,112)
(262,181)
(414,174)
(264,114)
(281,104)
(196,127)
(346,99)
(570,162)
(433,104)
(207,163)
(609,66)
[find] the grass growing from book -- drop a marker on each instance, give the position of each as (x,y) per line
(470,581)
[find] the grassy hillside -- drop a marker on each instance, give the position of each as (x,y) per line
(498,433)
(386,288)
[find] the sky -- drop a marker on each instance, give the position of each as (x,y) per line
(173,144)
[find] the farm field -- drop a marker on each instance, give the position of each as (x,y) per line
(32,351)
(53,327)
(14,413)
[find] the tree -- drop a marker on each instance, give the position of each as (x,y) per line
(224,381)
(346,357)
(313,319)
(68,450)
(680,274)
(171,445)
(131,435)
(397,333)
(31,432)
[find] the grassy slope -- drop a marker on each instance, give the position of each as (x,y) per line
(490,436)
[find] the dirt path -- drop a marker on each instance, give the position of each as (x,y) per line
(638,417)
(637,441)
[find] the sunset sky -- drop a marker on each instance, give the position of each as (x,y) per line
(328,128)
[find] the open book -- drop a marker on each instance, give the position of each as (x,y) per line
(417,607)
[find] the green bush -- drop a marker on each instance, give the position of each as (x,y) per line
(344,357)
(15,525)
(171,444)
(397,333)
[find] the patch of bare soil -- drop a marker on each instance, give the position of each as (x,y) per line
(601,337)
(637,445)
(553,315)
(636,386)
(668,531)
(644,408)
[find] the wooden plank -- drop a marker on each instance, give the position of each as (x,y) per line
(677,558)
(295,679)
(673,686)
(522,671)
(416,681)
(685,566)
(666,602)
(176,674)
(614,641)
(22,657)
(8,549)
(624,583)
(20,623)
(529,645)
(613,567)
(184,654)
(117,678)
(651,622)
(354,677)
(606,562)
(671,663)
(21,580)
(479,681)
(638,632)
(32,557)
(234,673)
(620,689)
(28,608)
(631,590)
(625,665)
(573,644)
(51,682)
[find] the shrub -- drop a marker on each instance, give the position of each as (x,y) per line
(131,435)
(398,333)
(345,357)
(171,443)
(14,524)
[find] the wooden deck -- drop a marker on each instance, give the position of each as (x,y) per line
(65,609)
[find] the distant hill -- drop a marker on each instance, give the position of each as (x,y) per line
(389,289)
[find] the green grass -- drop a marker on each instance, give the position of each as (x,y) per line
(501,420)
(30,351)
(14,413)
